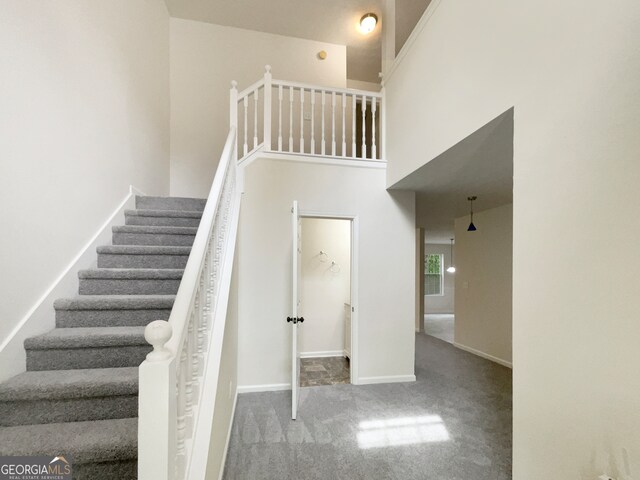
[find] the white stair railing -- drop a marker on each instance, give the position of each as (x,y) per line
(307,119)
(179,378)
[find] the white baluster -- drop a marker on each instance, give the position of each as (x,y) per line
(322,148)
(267,108)
(302,120)
(344,127)
(279,118)
(233,104)
(353,126)
(195,360)
(374,107)
(290,119)
(202,326)
(255,118)
(333,124)
(364,126)
(246,106)
(313,120)
(189,393)
(181,430)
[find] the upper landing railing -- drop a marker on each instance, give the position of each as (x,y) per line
(298,118)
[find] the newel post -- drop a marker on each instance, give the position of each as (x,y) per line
(267,107)
(157,407)
(233,104)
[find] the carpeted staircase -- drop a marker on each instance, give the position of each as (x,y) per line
(79,396)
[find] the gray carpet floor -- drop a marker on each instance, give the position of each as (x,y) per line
(440,326)
(453,423)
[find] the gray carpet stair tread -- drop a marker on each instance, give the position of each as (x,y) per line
(86,442)
(66,384)
(115,302)
(86,337)
(142,250)
(177,203)
(68,379)
(150,229)
(132,273)
(164,213)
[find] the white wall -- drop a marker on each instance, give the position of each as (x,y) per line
(441,303)
(205,58)
(84,113)
(385,246)
(361,85)
(226,395)
(324,292)
(430,79)
(483,283)
(572,71)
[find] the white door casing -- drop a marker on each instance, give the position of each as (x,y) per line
(296,317)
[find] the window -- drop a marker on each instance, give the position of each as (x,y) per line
(433,274)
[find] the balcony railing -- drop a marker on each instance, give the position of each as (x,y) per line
(298,118)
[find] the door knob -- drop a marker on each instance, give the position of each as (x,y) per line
(301,319)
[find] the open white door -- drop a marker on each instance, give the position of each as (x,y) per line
(296,317)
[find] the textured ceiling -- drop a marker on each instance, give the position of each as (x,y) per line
(331,21)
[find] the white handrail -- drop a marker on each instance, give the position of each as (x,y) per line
(185,357)
(250,89)
(308,86)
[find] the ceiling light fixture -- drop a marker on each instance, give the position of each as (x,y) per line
(368,23)
(471,227)
(451,268)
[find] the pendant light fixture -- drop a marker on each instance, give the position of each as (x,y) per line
(451,268)
(471,227)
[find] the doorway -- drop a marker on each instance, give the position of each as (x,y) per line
(326,300)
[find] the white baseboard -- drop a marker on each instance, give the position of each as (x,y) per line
(272,387)
(483,355)
(40,318)
(322,354)
(387,379)
(226,445)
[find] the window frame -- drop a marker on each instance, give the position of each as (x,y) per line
(441,274)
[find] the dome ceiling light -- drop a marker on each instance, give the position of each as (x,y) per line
(368,23)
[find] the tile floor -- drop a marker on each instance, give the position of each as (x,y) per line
(315,372)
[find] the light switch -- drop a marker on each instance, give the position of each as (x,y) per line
(307,116)
(465,284)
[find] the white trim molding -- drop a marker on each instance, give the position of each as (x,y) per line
(408,45)
(484,355)
(323,354)
(271,387)
(259,153)
(226,445)
(386,379)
